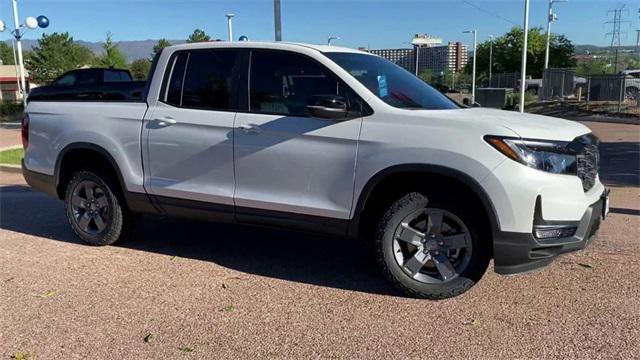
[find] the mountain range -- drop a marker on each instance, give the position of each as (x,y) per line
(140,49)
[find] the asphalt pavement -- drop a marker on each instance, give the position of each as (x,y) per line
(186,289)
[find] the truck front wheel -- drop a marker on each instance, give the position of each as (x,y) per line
(431,248)
(96,214)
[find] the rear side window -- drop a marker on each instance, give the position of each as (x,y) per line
(208,82)
(202,79)
(87,78)
(67,80)
(284,83)
(116,76)
(174,86)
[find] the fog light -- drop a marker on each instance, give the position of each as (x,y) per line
(551,232)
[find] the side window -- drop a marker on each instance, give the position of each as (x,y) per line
(174,84)
(284,83)
(208,82)
(67,80)
(87,78)
(111,76)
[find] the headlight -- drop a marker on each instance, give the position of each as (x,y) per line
(551,156)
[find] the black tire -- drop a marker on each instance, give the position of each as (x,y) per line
(386,247)
(116,222)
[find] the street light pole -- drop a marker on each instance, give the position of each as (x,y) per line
(550,19)
(417,58)
(18,36)
(277,19)
(230,26)
(473,71)
(523,70)
(330,38)
(490,58)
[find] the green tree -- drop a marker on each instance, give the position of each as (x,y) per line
(6,54)
(162,43)
(112,57)
(507,53)
(198,35)
(140,69)
(55,54)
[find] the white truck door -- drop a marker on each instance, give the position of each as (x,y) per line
(286,160)
(188,132)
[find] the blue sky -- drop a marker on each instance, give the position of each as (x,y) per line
(379,24)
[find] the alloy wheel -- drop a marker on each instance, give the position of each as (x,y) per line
(432,246)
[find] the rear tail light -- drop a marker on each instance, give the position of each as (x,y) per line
(25,131)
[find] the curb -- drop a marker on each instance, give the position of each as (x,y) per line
(16,169)
(12,147)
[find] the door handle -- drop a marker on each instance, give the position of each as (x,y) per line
(165,121)
(250,128)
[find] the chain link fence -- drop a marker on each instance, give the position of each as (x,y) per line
(614,93)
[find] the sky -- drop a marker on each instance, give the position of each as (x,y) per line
(377,24)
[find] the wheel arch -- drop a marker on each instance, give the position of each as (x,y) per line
(386,177)
(82,150)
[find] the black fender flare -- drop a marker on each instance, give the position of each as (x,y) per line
(427,169)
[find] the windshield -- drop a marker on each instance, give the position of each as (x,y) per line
(391,83)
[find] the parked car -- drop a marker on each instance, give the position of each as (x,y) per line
(632,83)
(94,84)
(330,140)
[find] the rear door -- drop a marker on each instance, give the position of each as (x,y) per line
(188,132)
(285,159)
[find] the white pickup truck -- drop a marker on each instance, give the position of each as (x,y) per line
(324,139)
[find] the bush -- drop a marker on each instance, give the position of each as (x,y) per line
(513,99)
(10,111)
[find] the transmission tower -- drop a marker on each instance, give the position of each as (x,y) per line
(616,25)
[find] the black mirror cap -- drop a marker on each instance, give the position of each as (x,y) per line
(329,107)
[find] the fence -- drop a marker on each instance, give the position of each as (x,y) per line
(558,83)
(504,80)
(601,93)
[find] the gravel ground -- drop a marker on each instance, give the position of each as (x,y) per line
(239,292)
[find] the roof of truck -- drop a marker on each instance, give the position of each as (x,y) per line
(283,45)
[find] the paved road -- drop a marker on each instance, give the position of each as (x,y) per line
(239,292)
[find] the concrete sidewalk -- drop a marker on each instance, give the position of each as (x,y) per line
(10,138)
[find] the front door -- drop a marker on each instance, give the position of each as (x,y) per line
(189,145)
(286,160)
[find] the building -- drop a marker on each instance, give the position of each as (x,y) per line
(438,59)
(9,83)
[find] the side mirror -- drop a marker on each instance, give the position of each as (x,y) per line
(331,107)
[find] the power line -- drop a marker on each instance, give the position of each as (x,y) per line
(615,32)
(490,13)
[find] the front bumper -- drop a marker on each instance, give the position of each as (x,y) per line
(521,252)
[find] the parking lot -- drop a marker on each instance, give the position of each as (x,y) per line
(205,290)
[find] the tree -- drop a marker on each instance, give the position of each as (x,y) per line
(162,43)
(6,54)
(140,69)
(112,57)
(507,53)
(55,54)
(198,35)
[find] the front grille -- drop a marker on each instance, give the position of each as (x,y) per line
(588,161)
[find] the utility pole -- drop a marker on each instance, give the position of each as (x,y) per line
(277,19)
(523,70)
(473,71)
(490,58)
(230,26)
(551,18)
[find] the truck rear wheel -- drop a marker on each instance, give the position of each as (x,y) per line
(96,214)
(431,249)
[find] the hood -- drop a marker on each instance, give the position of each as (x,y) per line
(529,126)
